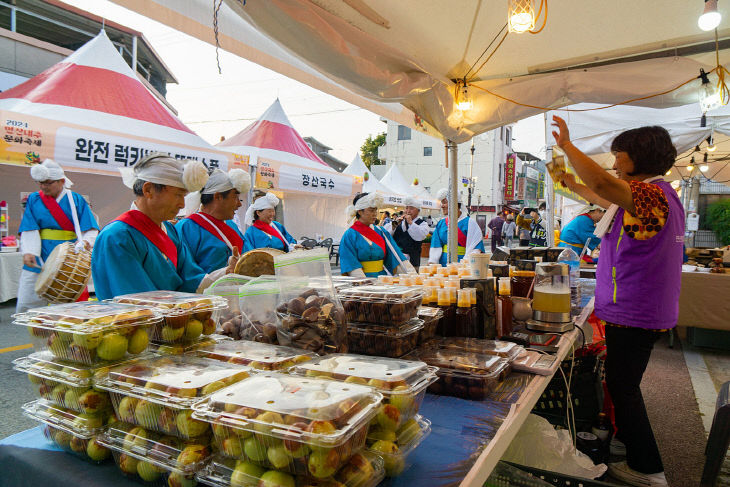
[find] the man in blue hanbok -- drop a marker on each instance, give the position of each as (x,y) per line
(576,233)
(263,231)
(210,234)
(141,250)
(366,249)
(470,237)
(52,216)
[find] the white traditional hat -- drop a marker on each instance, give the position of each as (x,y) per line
(160,168)
(411,201)
(444,194)
(370,200)
(269,200)
(49,170)
(219,182)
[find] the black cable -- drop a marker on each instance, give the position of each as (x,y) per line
(485,50)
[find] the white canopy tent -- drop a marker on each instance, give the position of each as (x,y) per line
(393,178)
(371,184)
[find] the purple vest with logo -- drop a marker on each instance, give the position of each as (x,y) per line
(638,281)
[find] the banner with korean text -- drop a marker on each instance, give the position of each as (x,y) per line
(284,177)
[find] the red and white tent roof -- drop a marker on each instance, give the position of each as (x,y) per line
(95,87)
(273,137)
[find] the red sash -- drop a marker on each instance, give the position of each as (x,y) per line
(142,223)
(370,234)
(460,238)
(224,228)
(270,231)
(57,212)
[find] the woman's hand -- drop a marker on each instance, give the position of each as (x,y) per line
(567,180)
(29,260)
(562,136)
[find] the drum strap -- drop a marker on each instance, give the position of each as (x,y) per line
(142,223)
(219,229)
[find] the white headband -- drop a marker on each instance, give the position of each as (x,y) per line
(269,200)
(49,170)
(160,168)
(218,182)
(444,194)
(371,200)
(411,201)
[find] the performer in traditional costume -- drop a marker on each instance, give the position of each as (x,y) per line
(409,231)
(52,216)
(263,231)
(141,250)
(366,249)
(470,237)
(210,234)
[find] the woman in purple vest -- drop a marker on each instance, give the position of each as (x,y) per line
(638,276)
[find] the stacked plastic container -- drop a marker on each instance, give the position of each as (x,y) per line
(282,426)
(260,356)
(156,439)
(397,428)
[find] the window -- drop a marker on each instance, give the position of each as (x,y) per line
(427,151)
(404,133)
(508,137)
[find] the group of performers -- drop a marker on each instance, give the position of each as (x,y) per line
(141,250)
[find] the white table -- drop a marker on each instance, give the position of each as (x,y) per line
(11,263)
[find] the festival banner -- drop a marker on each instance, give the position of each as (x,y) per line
(280,176)
(509,177)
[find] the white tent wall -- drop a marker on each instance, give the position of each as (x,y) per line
(307,216)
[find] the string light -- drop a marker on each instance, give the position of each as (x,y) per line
(711,147)
(668,173)
(691,165)
(709,95)
(520,16)
(704,167)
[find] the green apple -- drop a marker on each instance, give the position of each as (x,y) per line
(389,417)
(323,463)
(128,464)
(382,434)
(146,413)
(403,400)
(138,341)
(126,409)
(92,401)
(408,432)
(232,447)
(87,340)
(189,427)
(113,346)
(357,471)
(88,421)
(135,438)
(394,463)
(192,454)
(96,451)
(254,450)
(78,444)
(272,478)
(179,480)
(148,472)
(62,438)
(170,334)
(193,330)
(212,387)
(356,380)
(278,457)
(246,474)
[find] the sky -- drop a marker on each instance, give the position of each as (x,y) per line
(215,105)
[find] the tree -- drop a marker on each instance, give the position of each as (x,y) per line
(718,218)
(369,150)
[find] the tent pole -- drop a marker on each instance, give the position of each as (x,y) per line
(453,206)
(550,196)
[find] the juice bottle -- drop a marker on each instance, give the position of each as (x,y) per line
(444,302)
(465,319)
(504,308)
(521,282)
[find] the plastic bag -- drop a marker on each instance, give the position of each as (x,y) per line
(312,317)
(538,444)
(229,287)
(258,300)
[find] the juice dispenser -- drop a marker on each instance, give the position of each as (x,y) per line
(551,298)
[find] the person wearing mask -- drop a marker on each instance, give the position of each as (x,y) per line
(495,225)
(141,250)
(263,231)
(509,229)
(409,231)
(638,276)
(367,250)
(538,227)
(53,215)
(524,226)
(210,234)
(577,232)
(470,239)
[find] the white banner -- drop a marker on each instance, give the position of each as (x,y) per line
(298,178)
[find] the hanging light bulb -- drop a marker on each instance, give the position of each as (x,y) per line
(709,95)
(668,173)
(704,167)
(691,165)
(464,102)
(711,147)
(520,16)
(710,17)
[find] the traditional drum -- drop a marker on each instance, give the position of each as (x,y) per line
(64,274)
(257,262)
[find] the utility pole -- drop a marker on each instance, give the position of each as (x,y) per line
(471,180)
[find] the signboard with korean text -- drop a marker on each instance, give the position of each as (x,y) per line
(541,187)
(280,176)
(509,177)
(520,194)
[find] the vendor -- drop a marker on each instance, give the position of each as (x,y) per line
(638,277)
(141,250)
(366,249)
(470,238)
(52,216)
(210,234)
(409,231)
(263,231)
(577,232)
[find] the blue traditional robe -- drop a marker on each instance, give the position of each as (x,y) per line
(440,239)
(37,217)
(577,231)
(258,239)
(124,261)
(354,250)
(208,251)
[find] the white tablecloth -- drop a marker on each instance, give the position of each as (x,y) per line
(11,263)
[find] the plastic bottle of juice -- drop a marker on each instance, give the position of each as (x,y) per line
(465,316)
(504,308)
(447,322)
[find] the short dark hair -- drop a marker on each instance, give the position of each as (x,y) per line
(542,206)
(650,148)
(208,197)
(138,184)
(387,213)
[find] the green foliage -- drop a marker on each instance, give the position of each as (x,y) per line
(369,150)
(718,218)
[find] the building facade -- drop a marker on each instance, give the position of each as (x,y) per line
(323,152)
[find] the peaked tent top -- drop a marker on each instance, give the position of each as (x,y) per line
(358,168)
(273,136)
(394,179)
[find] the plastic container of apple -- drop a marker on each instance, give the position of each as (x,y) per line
(90,332)
(363,469)
(186,315)
(402,383)
(506,350)
(299,425)
(73,432)
(158,393)
(184,348)
(260,356)
(396,446)
(154,459)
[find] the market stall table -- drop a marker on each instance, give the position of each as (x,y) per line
(447,456)
(11,263)
(703,302)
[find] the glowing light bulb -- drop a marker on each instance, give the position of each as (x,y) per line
(668,173)
(710,17)
(464,103)
(704,168)
(709,94)
(520,16)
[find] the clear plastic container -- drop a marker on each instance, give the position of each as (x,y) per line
(402,383)
(304,426)
(154,459)
(384,341)
(363,469)
(83,446)
(230,319)
(90,332)
(158,394)
(395,446)
(187,348)
(431,317)
(187,315)
(82,424)
(387,305)
(261,356)
(341,282)
(506,350)
(464,374)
